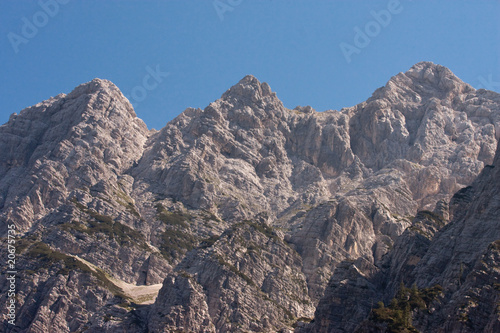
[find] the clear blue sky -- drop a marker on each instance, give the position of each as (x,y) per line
(206,46)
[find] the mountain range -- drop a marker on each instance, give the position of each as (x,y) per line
(247,216)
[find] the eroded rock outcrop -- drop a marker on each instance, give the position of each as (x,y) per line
(452,268)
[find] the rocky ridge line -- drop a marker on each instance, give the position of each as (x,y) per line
(245,202)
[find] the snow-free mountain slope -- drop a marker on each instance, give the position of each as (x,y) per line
(249,213)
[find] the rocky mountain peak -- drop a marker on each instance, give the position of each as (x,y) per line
(66,142)
(423,80)
(93,86)
(102,90)
(249,89)
(438,77)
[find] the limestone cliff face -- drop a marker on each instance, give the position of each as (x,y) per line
(244,212)
(65,143)
(451,253)
(247,279)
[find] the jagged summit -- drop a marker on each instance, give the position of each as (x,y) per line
(93,86)
(249,88)
(250,79)
(99,88)
(438,76)
(426,79)
(422,82)
(83,102)
(429,72)
(423,66)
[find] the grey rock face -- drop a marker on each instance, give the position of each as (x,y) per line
(249,279)
(460,257)
(65,143)
(245,209)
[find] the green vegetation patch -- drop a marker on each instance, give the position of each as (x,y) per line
(233,269)
(262,228)
(173,218)
(398,314)
(208,242)
(127,202)
(432,216)
(47,257)
(302,319)
(25,242)
(418,229)
(74,225)
(104,224)
(175,243)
